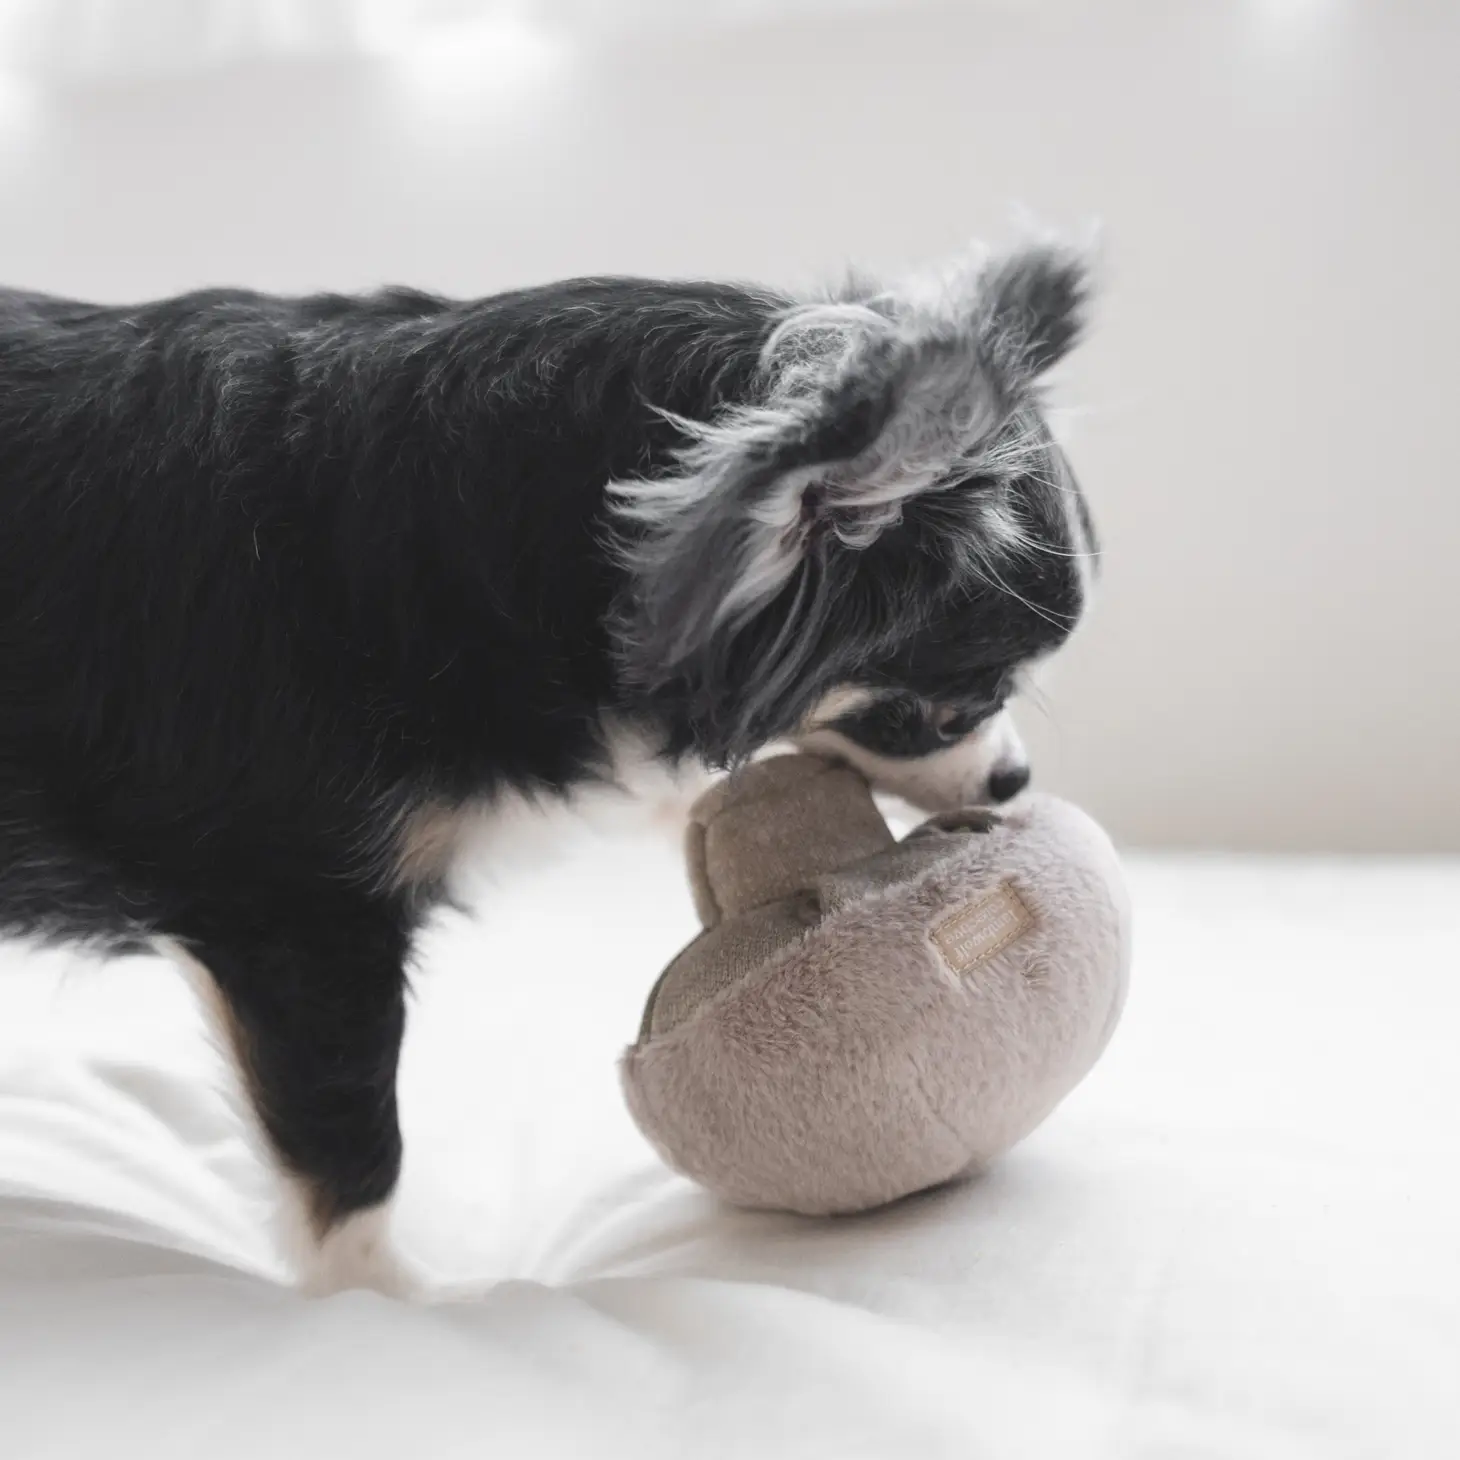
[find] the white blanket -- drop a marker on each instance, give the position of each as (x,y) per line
(1239,1238)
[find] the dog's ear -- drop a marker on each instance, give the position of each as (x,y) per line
(866,401)
(1034,306)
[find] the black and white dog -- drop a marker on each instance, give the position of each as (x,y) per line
(287,586)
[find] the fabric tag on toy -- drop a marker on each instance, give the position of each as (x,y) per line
(982,928)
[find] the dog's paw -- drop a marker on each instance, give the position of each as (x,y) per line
(357,1253)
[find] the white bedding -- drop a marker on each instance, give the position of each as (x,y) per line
(1239,1238)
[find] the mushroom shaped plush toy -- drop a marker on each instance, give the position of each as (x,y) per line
(864,1017)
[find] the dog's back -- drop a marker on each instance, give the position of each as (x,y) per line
(274,570)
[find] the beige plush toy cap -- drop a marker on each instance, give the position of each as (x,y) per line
(861,1017)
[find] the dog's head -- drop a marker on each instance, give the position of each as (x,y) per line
(869,554)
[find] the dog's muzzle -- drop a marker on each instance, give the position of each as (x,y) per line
(986,767)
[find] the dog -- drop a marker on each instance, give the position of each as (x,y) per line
(289,586)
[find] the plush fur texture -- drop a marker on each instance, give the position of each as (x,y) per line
(815,1050)
(289,586)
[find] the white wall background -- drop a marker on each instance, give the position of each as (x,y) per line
(1268,401)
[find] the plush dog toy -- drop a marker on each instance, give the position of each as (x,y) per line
(864,1017)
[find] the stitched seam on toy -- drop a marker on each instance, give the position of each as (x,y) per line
(934,1114)
(827,929)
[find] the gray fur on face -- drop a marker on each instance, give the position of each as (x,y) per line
(871,402)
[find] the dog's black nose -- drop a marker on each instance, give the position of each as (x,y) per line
(1004,785)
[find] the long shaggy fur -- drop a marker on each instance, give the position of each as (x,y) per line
(284,581)
(863,403)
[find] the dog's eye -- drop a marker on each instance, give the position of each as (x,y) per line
(954,719)
(954,722)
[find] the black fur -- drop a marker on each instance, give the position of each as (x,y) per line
(275,573)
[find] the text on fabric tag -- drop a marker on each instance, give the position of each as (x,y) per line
(981,928)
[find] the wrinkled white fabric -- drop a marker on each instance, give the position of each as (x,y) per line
(1237,1238)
